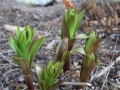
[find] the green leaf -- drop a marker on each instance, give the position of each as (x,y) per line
(64,56)
(39,71)
(79,19)
(49,64)
(56,85)
(72,26)
(65,31)
(30,35)
(78,49)
(93,48)
(89,58)
(18,33)
(86,69)
(35,45)
(56,64)
(59,66)
(90,40)
(25,54)
(23,64)
(81,36)
(46,77)
(13,44)
(51,71)
(62,47)
(22,42)
(45,85)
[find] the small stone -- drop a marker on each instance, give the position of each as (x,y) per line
(112,80)
(20,78)
(113,36)
(118,72)
(5,88)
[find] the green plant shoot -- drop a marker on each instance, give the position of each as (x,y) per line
(71,22)
(25,48)
(24,45)
(48,75)
(90,58)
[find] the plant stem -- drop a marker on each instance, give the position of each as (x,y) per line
(29,82)
(66,66)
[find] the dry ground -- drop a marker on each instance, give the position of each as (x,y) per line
(48,21)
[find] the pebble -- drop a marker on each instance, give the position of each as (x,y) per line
(5,88)
(118,72)
(113,36)
(112,80)
(20,78)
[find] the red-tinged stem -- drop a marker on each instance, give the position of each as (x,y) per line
(66,66)
(29,82)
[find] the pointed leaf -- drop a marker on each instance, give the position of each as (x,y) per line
(86,70)
(18,33)
(90,40)
(73,27)
(34,48)
(65,30)
(13,44)
(30,34)
(51,71)
(22,42)
(39,71)
(93,48)
(81,36)
(62,47)
(23,64)
(78,49)
(64,56)
(79,19)
(49,64)
(46,75)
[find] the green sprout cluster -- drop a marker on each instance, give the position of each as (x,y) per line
(26,47)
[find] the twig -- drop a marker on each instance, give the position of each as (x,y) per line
(111,8)
(9,71)
(51,44)
(76,83)
(118,86)
(8,60)
(112,63)
(3,51)
(66,83)
(107,68)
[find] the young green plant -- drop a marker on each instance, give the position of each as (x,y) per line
(48,75)
(25,48)
(90,56)
(71,22)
